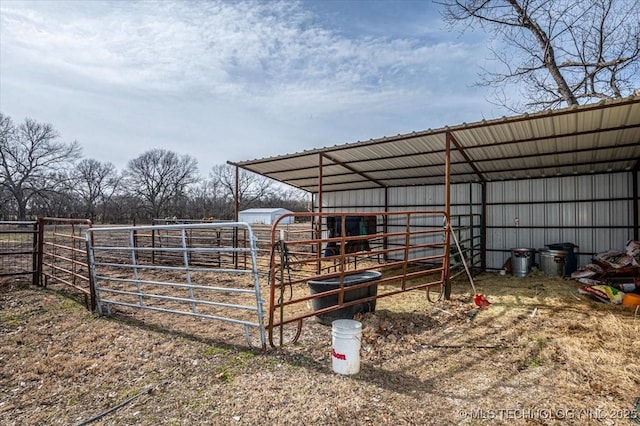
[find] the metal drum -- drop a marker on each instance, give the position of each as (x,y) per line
(552,262)
(522,259)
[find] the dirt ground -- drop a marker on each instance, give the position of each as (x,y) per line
(540,354)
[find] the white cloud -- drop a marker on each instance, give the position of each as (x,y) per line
(143,72)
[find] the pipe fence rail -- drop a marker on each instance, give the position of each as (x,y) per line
(198,276)
(325,265)
(394,252)
(63,256)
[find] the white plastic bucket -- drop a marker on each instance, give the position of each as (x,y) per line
(346,336)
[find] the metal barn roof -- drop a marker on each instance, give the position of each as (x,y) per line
(596,138)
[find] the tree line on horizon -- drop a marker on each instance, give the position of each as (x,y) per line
(560,54)
(42,176)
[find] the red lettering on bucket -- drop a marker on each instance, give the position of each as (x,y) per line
(337,355)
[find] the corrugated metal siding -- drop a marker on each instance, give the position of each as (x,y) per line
(594,212)
(363,200)
(465,198)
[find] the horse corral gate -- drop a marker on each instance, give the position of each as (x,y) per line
(19,249)
(395,252)
(63,256)
(199,276)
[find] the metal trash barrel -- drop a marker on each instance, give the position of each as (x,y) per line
(552,262)
(571,262)
(522,259)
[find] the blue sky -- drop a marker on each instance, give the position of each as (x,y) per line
(236,80)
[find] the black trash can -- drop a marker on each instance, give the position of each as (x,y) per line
(571,261)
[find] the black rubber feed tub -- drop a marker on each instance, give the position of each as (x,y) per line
(348,312)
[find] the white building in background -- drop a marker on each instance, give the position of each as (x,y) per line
(264,216)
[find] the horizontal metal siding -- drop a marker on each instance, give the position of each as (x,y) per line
(594,212)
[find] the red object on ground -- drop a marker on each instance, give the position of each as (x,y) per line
(481,301)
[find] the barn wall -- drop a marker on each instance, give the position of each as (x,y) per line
(594,212)
(405,198)
(465,199)
(255,217)
(368,200)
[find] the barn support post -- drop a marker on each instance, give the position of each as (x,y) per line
(385,224)
(636,215)
(447,209)
(483,227)
(318,217)
(471,228)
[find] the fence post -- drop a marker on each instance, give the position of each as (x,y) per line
(40,252)
(35,279)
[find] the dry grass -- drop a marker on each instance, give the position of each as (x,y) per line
(540,354)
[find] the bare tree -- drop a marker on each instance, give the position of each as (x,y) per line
(96,184)
(32,160)
(205,201)
(289,198)
(558,52)
(160,177)
(251,187)
(59,203)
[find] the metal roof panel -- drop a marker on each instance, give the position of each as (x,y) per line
(595,138)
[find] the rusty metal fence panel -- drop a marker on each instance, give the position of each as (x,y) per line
(63,259)
(388,252)
(194,272)
(19,249)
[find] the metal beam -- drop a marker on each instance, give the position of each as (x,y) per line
(353,170)
(468,160)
